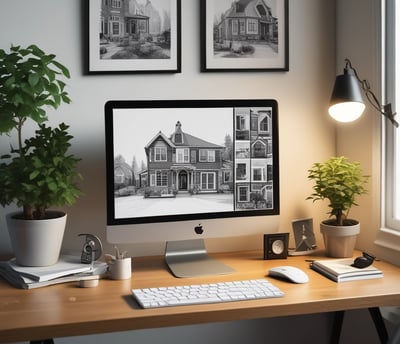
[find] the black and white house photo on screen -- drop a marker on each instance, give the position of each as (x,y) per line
(190,161)
(134,35)
(244,35)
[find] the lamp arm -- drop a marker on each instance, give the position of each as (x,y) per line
(385,110)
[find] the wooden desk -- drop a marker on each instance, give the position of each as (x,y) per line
(66,310)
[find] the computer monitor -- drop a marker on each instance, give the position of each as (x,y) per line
(179,171)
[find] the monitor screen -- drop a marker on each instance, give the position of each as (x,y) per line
(177,168)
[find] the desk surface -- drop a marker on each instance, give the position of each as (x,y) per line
(66,310)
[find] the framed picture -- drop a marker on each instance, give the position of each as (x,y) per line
(244,35)
(134,36)
(304,235)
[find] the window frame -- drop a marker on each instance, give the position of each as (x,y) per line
(389,234)
(207,184)
(182,155)
(161,155)
(206,155)
(392,83)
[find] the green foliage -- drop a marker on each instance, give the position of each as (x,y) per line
(44,176)
(39,173)
(28,83)
(339,181)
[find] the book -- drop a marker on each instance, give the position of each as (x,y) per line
(22,281)
(66,265)
(341,270)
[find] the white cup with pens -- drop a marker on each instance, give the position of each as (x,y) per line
(119,266)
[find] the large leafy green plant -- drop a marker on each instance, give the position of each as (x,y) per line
(38,173)
(339,181)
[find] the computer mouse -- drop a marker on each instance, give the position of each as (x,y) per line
(289,273)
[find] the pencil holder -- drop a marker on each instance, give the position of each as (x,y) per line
(120,269)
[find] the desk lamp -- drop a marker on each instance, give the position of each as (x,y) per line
(347,103)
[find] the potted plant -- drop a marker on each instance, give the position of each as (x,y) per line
(38,173)
(339,181)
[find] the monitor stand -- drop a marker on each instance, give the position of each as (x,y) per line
(189,258)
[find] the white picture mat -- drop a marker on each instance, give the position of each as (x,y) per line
(98,65)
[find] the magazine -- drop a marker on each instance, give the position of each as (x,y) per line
(68,269)
(342,270)
(66,265)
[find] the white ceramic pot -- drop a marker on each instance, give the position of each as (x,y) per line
(340,240)
(37,242)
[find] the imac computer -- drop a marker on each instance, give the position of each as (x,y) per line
(179,171)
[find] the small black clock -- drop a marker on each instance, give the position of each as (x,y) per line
(276,246)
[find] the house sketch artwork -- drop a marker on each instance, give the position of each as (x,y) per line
(246,29)
(237,174)
(134,29)
(185,163)
(253,159)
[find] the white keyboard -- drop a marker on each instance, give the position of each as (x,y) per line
(206,293)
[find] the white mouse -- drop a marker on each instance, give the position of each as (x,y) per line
(289,273)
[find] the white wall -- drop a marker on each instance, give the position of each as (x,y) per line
(306,134)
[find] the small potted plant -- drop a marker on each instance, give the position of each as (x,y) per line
(38,173)
(339,181)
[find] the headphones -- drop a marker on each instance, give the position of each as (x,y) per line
(363,261)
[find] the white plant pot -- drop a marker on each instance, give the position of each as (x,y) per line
(37,242)
(340,240)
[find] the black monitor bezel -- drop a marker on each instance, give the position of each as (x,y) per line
(196,103)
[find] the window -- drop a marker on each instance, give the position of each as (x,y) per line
(252,26)
(202,155)
(235,27)
(243,193)
(261,10)
(182,155)
(264,124)
(161,178)
(240,122)
(389,235)
(160,153)
(116,3)
(207,155)
(392,208)
(242,26)
(254,123)
(241,171)
(259,149)
(178,138)
(258,174)
(208,181)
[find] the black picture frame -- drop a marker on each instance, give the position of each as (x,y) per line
(240,42)
(303,231)
(121,39)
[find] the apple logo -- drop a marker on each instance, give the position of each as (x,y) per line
(199,229)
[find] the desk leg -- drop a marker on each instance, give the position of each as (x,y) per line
(337,327)
(45,341)
(379,324)
(376,317)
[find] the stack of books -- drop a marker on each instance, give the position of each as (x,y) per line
(342,270)
(67,269)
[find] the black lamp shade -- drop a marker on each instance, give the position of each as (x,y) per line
(346,89)
(346,101)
